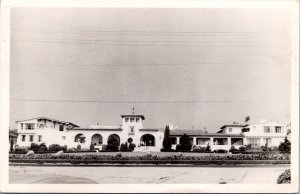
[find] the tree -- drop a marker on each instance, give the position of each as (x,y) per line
(285,146)
(185,143)
(167,144)
(113,143)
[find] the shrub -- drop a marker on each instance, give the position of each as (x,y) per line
(72,149)
(242,148)
(34,147)
(21,150)
(104,147)
(64,148)
(285,177)
(248,147)
(285,147)
(78,147)
(112,143)
(220,151)
(131,147)
(92,147)
(42,147)
(178,147)
(232,149)
(185,144)
(55,148)
(130,140)
(208,149)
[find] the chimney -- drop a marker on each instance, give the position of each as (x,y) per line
(171,126)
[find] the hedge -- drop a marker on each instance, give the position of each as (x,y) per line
(148,157)
(194,162)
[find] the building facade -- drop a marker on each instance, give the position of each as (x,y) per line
(50,131)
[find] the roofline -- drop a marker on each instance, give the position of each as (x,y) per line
(46,118)
(142,116)
(234,125)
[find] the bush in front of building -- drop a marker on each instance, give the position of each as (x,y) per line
(285,177)
(131,147)
(72,149)
(185,144)
(34,147)
(42,148)
(242,149)
(200,149)
(112,144)
(55,148)
(285,147)
(124,147)
(222,151)
(92,146)
(21,150)
(233,149)
(78,147)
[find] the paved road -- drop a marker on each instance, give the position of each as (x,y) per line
(143,175)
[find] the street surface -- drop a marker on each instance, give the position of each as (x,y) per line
(144,175)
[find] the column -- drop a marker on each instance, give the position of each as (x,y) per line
(194,141)
(229,141)
(177,140)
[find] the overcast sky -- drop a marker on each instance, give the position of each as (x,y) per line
(193,67)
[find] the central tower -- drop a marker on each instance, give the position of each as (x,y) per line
(132,123)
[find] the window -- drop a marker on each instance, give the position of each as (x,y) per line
(23,137)
(21,125)
(61,128)
(39,138)
(63,137)
(126,120)
(131,119)
(132,129)
(29,126)
(41,126)
(173,140)
(203,141)
(254,141)
(137,119)
(267,129)
(245,130)
(277,129)
(230,129)
(31,138)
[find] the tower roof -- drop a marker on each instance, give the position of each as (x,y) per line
(132,115)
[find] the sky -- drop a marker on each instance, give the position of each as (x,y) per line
(195,68)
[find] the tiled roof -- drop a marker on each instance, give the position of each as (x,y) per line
(96,129)
(186,131)
(195,132)
(234,125)
(142,116)
(151,129)
(49,119)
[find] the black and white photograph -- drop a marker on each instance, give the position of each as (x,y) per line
(150,98)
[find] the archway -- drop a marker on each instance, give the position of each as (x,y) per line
(97,139)
(79,138)
(147,140)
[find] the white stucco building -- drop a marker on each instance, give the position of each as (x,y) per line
(51,131)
